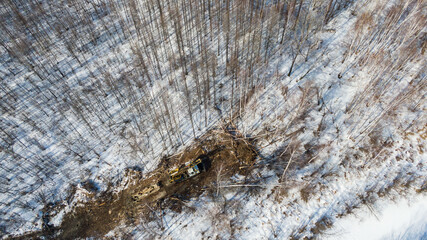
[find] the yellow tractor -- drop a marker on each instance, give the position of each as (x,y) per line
(186,171)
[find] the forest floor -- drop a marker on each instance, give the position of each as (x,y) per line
(344,130)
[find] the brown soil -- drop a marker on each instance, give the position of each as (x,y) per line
(227,153)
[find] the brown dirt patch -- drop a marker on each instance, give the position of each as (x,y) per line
(226,151)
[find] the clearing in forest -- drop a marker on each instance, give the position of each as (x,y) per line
(225,153)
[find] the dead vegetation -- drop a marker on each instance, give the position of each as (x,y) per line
(322,225)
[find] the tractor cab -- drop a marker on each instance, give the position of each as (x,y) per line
(188,170)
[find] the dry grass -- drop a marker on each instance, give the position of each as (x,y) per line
(307,191)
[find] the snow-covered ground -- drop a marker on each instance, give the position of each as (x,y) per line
(339,138)
(404,218)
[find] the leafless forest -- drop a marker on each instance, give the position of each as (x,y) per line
(66,79)
(78,76)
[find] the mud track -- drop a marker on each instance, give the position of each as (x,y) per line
(226,152)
